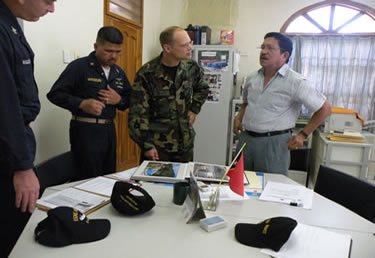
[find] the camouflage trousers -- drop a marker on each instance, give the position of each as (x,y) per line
(180,156)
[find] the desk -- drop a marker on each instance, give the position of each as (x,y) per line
(163,233)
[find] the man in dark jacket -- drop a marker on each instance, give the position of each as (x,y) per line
(92,88)
(19,106)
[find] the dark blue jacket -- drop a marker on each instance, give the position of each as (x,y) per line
(19,102)
(82,79)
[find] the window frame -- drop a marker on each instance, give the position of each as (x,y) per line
(117,16)
(363,9)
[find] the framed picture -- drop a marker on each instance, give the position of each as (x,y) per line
(208,172)
(160,171)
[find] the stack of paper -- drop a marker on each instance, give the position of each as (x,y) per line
(308,241)
(293,195)
(86,197)
(346,136)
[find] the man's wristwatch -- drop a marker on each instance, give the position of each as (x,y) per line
(303,133)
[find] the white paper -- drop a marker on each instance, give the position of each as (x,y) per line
(124,175)
(288,194)
(224,194)
(99,185)
(71,197)
(236,63)
(308,241)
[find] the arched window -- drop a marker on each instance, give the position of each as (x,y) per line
(332,17)
(334,47)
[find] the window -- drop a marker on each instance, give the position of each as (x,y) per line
(131,10)
(332,17)
(334,47)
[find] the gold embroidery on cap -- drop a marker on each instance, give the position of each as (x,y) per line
(129,203)
(265,229)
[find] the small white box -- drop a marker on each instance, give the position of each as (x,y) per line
(212,223)
(342,122)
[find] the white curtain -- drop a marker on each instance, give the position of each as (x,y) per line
(341,67)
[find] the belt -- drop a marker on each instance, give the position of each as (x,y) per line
(92,120)
(273,133)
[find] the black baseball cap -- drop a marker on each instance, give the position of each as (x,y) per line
(65,226)
(127,203)
(271,233)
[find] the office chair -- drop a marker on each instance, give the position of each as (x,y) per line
(351,192)
(300,160)
(57,170)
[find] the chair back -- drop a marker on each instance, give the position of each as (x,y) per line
(57,170)
(351,192)
(300,160)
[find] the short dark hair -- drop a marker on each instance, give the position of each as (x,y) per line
(285,44)
(109,34)
(167,35)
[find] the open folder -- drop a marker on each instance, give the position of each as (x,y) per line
(311,242)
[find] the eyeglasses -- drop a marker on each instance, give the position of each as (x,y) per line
(186,45)
(268,47)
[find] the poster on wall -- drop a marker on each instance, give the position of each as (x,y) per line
(214,82)
(214,61)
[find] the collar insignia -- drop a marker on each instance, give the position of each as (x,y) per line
(14,31)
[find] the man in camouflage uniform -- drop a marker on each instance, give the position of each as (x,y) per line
(168,93)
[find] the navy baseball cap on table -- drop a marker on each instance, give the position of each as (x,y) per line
(125,202)
(271,233)
(65,226)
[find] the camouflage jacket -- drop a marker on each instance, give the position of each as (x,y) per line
(158,106)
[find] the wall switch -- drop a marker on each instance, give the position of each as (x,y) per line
(67,56)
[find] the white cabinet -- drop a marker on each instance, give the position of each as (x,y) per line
(351,158)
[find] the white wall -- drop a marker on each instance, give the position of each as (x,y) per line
(151,28)
(255,19)
(73,26)
(75,23)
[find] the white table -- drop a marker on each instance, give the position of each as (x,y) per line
(163,233)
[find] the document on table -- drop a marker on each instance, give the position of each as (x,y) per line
(225,193)
(98,185)
(83,201)
(294,195)
(124,175)
(308,241)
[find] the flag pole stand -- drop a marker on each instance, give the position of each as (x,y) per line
(213,198)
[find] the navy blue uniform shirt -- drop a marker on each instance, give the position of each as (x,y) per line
(82,79)
(19,102)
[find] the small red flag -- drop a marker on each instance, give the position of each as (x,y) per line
(236,176)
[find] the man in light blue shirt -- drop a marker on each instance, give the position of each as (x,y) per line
(272,100)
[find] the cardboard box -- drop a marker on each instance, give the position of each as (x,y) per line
(227,37)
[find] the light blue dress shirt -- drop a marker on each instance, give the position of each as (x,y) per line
(278,105)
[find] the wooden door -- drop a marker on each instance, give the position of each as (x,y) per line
(130,60)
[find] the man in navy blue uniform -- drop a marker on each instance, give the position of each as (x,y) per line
(19,106)
(91,88)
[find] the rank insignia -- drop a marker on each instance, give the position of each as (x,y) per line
(14,30)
